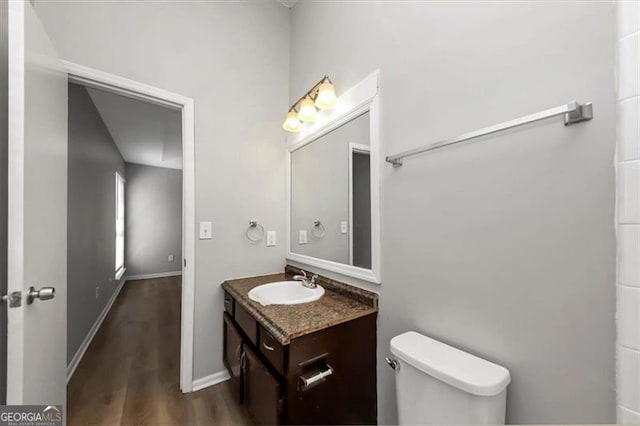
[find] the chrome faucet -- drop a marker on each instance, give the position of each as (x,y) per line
(305,281)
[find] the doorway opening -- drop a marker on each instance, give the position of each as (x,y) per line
(154,187)
(360,205)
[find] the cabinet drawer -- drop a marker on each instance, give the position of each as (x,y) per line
(228,303)
(246,323)
(272,350)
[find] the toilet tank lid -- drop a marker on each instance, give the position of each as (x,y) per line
(450,365)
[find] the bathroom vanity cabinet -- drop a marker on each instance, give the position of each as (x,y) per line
(325,376)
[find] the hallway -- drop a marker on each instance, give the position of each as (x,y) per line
(130,372)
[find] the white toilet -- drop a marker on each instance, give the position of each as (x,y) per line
(439,384)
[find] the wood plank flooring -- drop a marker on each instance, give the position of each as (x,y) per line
(130,372)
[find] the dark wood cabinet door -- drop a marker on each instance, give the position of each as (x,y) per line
(262,396)
(232,352)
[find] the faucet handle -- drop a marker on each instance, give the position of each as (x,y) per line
(314,278)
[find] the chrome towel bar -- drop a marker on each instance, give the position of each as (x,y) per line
(573,112)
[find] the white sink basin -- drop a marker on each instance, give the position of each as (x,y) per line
(285,293)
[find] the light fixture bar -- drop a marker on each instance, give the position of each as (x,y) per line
(312,93)
(321,96)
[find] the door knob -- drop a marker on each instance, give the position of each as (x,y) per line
(45,293)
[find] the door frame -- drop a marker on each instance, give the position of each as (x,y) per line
(4,167)
(112,83)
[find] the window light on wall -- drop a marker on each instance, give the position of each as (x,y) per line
(119,226)
(321,96)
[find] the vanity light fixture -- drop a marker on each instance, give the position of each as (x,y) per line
(308,111)
(326,98)
(322,96)
(292,124)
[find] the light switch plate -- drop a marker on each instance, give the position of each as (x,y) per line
(271,238)
(170,258)
(344,227)
(302,236)
(205,230)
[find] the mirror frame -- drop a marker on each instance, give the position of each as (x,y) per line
(361,98)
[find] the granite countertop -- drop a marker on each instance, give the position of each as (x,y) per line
(340,303)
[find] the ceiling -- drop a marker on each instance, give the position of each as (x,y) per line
(144,133)
(288,3)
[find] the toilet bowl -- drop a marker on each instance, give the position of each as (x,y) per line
(439,384)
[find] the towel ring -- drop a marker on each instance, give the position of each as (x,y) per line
(318,230)
(254,225)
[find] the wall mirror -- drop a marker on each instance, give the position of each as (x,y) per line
(333,203)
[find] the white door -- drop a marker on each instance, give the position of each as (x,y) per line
(37,212)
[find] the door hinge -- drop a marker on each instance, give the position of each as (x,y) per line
(14,298)
(185,262)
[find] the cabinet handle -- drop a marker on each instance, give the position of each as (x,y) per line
(267,347)
(227,302)
(238,349)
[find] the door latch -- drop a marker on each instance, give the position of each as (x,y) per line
(14,298)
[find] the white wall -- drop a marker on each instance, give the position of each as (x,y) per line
(628,174)
(153,220)
(232,59)
(504,247)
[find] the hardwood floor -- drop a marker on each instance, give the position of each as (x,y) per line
(130,372)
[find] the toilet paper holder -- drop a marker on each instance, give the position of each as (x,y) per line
(307,382)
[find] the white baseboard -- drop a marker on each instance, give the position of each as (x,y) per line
(158,275)
(210,380)
(71,368)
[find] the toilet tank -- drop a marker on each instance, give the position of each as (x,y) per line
(439,384)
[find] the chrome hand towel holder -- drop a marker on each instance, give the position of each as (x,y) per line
(317,231)
(254,225)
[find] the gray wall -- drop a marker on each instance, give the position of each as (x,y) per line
(232,58)
(503,247)
(153,220)
(93,162)
(320,190)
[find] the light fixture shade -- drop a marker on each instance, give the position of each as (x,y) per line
(308,111)
(326,98)
(292,124)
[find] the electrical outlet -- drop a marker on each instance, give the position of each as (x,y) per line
(271,238)
(302,236)
(344,228)
(170,258)
(97,291)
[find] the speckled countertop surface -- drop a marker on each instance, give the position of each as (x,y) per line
(340,303)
